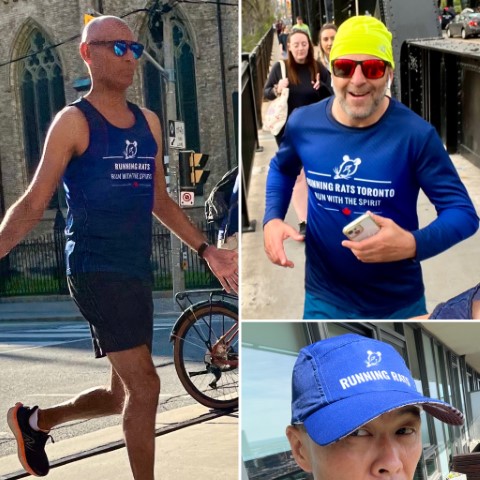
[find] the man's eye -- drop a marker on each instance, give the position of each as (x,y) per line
(406,431)
(361,432)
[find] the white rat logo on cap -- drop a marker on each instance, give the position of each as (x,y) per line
(373,359)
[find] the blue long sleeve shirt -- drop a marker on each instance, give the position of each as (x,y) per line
(380,168)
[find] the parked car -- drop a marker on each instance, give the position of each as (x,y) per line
(467,24)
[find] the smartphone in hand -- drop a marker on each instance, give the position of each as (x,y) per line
(361,228)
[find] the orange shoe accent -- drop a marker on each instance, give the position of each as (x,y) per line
(14,427)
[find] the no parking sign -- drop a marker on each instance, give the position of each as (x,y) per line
(187,199)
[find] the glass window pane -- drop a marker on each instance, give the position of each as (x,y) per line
(441,430)
(58,93)
(42,99)
(265,401)
(155,93)
(430,366)
(413,362)
(334,330)
(32,147)
(269,351)
(186,89)
(432,387)
(42,94)
(286,337)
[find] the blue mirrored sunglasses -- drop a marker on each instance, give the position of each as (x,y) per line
(120,47)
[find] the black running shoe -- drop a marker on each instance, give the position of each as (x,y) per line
(30,443)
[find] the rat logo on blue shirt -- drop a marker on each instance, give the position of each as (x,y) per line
(373,359)
(130,149)
(347,169)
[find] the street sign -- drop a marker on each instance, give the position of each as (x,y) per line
(187,199)
(176,134)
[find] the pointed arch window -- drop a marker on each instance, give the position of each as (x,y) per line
(42,95)
(154,86)
(185,81)
(186,90)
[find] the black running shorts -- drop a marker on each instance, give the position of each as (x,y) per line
(118,307)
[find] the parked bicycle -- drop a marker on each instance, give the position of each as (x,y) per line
(205,347)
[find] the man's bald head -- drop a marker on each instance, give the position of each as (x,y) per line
(102,28)
(97,50)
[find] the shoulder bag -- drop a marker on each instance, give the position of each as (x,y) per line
(277,110)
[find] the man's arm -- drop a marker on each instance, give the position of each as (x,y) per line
(222,263)
(283,171)
(28,210)
(391,244)
(456,216)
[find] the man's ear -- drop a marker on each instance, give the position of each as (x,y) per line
(476,310)
(299,444)
(85,52)
(390,77)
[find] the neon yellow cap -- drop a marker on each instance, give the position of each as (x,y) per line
(363,35)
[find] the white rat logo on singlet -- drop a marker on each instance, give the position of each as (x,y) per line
(347,169)
(130,149)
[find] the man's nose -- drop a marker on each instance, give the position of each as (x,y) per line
(388,460)
(358,77)
(129,55)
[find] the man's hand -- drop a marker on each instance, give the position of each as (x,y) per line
(275,232)
(390,244)
(224,265)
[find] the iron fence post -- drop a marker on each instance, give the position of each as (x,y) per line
(59,239)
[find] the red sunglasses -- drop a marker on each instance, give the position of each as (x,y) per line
(372,69)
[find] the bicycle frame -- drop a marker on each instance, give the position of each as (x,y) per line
(210,329)
(186,295)
(220,348)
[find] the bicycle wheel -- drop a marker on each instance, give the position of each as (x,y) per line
(205,353)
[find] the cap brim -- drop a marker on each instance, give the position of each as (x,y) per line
(337,420)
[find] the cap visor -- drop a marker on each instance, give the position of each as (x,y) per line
(339,419)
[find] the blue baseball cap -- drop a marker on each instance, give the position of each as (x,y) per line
(342,383)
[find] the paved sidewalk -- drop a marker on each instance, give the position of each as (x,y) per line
(202,451)
(271,292)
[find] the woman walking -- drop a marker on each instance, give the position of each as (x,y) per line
(308,82)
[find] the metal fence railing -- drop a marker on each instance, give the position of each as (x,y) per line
(259,60)
(255,68)
(441,82)
(197,274)
(34,267)
(161,258)
(37,266)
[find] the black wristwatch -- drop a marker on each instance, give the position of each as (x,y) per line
(202,248)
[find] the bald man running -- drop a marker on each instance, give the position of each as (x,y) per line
(109,153)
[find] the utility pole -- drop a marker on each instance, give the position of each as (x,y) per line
(178,274)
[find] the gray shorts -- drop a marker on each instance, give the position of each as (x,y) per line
(118,308)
